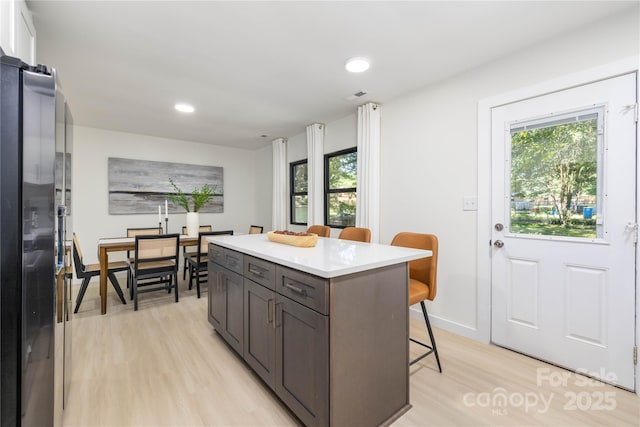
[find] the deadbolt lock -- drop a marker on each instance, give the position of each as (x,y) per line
(498,227)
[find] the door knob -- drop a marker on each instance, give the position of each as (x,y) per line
(498,243)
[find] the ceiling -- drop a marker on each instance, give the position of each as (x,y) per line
(271,68)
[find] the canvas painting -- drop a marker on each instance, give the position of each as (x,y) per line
(140,186)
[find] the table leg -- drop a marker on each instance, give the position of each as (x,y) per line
(104,270)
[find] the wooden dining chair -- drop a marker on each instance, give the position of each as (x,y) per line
(255,229)
(155,257)
(198,263)
(86,272)
(320,230)
(422,281)
(142,231)
(187,251)
(358,234)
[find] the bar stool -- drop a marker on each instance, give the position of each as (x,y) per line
(358,234)
(422,281)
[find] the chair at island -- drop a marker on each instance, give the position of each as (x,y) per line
(358,234)
(197,264)
(320,230)
(422,281)
(155,257)
(86,272)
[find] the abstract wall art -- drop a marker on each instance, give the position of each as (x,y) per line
(140,186)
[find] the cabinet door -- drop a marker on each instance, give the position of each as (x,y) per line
(217,304)
(226,301)
(259,330)
(233,329)
(302,362)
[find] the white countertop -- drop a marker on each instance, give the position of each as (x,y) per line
(329,258)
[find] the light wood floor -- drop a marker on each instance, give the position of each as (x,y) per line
(165,366)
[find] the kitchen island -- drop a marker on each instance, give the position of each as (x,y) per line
(326,328)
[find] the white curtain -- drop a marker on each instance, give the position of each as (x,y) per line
(279,214)
(315,173)
(368,200)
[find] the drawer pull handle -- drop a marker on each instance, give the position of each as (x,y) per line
(254,271)
(296,289)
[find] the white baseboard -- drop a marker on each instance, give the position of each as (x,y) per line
(448,325)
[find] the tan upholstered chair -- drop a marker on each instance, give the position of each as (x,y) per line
(256,229)
(197,263)
(155,257)
(359,234)
(320,230)
(422,281)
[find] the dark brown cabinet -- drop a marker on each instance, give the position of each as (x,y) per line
(259,330)
(226,301)
(302,364)
(335,351)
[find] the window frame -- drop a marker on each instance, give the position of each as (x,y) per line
(328,191)
(293,193)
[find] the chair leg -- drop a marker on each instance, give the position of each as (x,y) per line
(433,340)
(175,284)
(184,270)
(198,283)
(83,289)
(431,348)
(116,286)
(134,289)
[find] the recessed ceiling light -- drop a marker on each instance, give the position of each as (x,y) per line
(357,65)
(185,108)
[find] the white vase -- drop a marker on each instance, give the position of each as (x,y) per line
(193,224)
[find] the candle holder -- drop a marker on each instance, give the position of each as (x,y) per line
(160,227)
(166,225)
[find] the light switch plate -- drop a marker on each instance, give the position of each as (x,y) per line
(470,204)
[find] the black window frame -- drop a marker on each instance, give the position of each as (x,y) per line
(293,193)
(327,191)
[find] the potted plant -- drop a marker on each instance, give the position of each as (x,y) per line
(199,197)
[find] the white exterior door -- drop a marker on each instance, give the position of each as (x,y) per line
(563,213)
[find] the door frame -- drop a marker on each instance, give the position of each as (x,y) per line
(483,269)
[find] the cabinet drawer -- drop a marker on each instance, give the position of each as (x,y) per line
(233,261)
(310,291)
(226,257)
(216,253)
(260,271)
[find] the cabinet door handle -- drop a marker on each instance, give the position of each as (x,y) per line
(296,289)
(275,315)
(269,314)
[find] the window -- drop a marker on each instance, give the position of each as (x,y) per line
(340,172)
(299,197)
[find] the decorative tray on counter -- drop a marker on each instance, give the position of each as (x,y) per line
(303,240)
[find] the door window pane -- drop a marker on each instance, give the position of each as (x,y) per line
(555,176)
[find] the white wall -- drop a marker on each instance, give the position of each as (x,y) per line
(429,153)
(90,205)
(339,135)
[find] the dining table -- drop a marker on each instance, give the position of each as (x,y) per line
(120,244)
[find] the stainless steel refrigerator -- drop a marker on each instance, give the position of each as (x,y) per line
(35,281)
